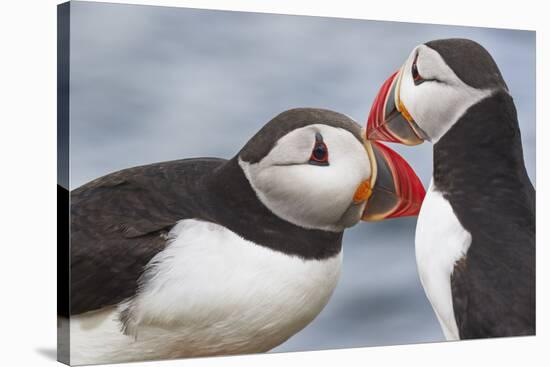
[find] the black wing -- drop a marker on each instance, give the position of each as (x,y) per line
(119,222)
(493,287)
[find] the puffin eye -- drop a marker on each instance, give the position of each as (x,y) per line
(417,78)
(319,154)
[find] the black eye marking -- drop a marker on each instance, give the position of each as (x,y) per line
(319,154)
(417,78)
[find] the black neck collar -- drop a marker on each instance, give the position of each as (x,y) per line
(482,150)
(478,163)
(247,216)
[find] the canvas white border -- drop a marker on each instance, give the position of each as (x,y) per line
(28,152)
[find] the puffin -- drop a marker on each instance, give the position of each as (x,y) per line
(210,256)
(475,234)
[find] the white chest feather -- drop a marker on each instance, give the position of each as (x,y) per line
(210,292)
(440,242)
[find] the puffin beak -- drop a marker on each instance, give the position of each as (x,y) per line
(389,119)
(393,190)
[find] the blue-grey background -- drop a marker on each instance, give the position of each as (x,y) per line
(151,84)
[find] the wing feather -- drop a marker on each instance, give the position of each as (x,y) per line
(120,221)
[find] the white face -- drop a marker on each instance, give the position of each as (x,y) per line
(438,102)
(308,194)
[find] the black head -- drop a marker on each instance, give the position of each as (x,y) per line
(313,168)
(282,124)
(433,89)
(470,61)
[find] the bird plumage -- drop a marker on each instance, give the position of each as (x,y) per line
(483,177)
(475,240)
(182,258)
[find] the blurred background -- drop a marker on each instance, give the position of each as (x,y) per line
(151,84)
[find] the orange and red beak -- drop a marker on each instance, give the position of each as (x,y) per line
(393,190)
(389,119)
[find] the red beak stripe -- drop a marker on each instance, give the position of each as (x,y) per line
(376,124)
(408,187)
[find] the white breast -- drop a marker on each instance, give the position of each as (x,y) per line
(440,242)
(210,292)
